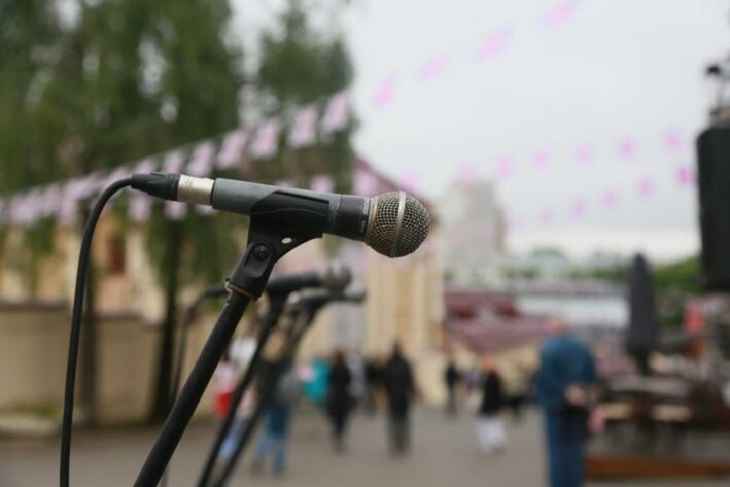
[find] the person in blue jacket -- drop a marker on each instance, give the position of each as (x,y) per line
(565,389)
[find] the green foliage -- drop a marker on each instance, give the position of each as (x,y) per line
(680,276)
(301,65)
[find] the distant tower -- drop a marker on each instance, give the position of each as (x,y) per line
(474,234)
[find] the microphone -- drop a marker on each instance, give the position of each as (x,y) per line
(335,278)
(315,299)
(394,224)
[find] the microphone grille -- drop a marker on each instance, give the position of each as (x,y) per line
(398,224)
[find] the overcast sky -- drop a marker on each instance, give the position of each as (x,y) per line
(618,82)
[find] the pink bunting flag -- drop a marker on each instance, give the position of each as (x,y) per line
(201,162)
(505,167)
(546,216)
(610,198)
(560,13)
(627,148)
(140,207)
(646,187)
(494,44)
(584,154)
(673,140)
(467,172)
(385,92)
(322,183)
(540,159)
(266,140)
(686,176)
(304,128)
(336,113)
(410,179)
(52,199)
(434,67)
(579,208)
(366,184)
(231,151)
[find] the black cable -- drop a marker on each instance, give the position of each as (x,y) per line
(76,315)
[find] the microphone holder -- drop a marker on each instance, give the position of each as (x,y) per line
(268,240)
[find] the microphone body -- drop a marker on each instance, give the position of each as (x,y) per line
(394,224)
(334,279)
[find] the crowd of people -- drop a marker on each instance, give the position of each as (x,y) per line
(562,386)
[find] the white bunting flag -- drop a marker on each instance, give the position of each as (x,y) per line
(266,140)
(52,199)
(336,113)
(322,183)
(366,184)
(231,150)
(304,129)
(201,162)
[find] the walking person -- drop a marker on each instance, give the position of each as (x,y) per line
(339,399)
(490,427)
(452,377)
(372,383)
(565,389)
(274,439)
(400,390)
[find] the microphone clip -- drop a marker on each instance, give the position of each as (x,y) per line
(267,242)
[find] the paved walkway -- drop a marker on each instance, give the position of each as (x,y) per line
(444,455)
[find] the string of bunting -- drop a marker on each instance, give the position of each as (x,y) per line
(62,199)
(489,48)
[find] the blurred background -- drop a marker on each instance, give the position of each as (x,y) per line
(556,143)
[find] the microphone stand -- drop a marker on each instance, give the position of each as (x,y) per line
(276,308)
(268,241)
(305,315)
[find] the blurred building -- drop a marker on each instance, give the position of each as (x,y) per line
(474,233)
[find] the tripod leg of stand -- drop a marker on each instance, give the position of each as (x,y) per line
(268,388)
(270,383)
(241,387)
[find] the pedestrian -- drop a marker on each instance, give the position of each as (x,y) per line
(517,392)
(566,391)
(490,427)
(452,377)
(373,380)
(225,382)
(273,441)
(400,390)
(339,399)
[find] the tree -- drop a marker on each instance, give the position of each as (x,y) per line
(128,78)
(131,78)
(301,65)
